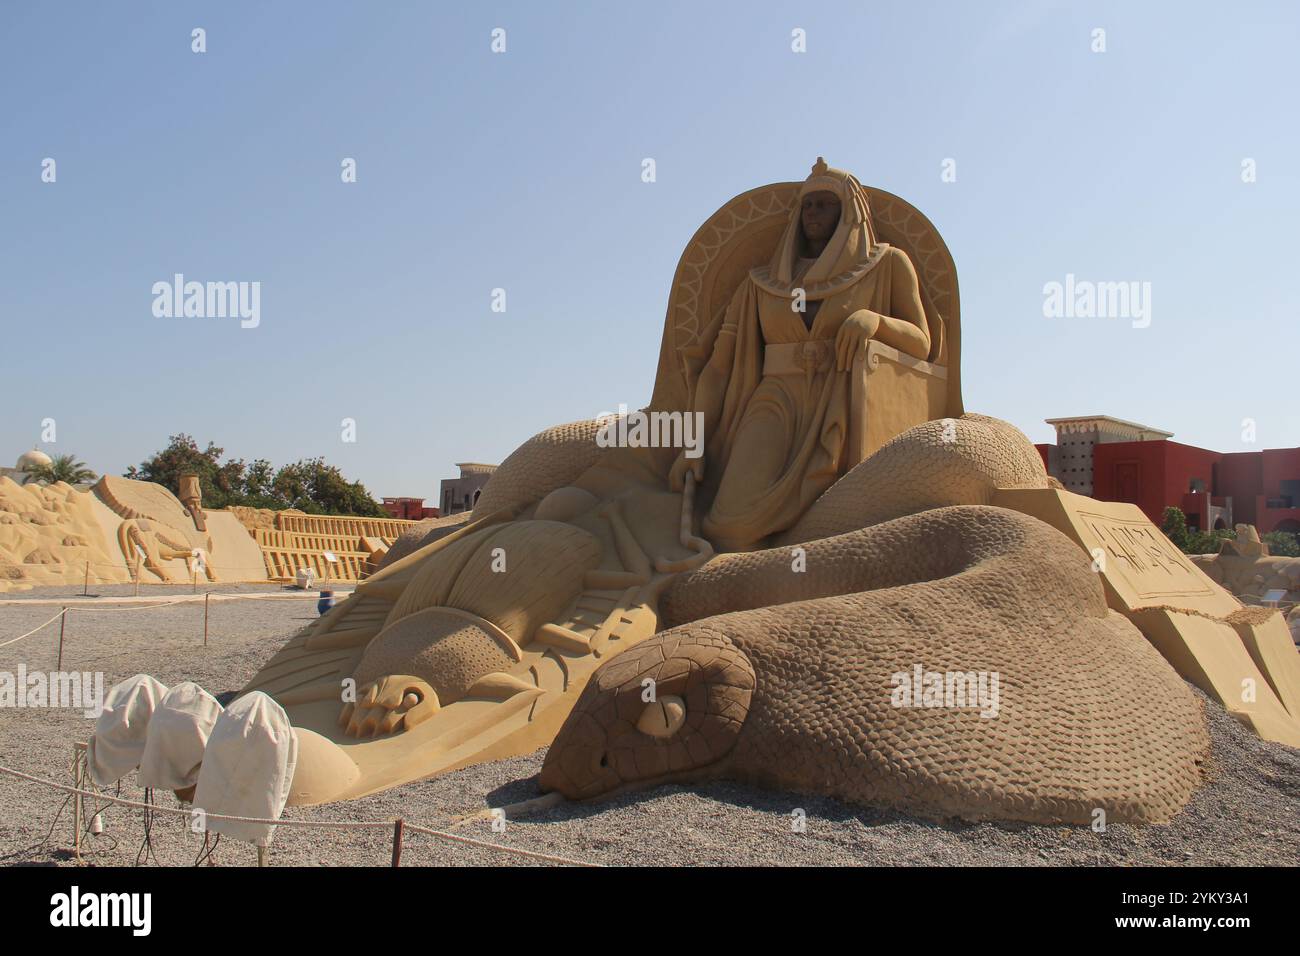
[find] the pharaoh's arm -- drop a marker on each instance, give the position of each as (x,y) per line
(905,328)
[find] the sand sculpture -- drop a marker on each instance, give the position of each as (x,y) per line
(48,533)
(191,498)
(1247,569)
(847,523)
(782,679)
(476,643)
(57,534)
(121,528)
(161,535)
(291,541)
(790,680)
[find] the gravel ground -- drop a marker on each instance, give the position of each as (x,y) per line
(1247,814)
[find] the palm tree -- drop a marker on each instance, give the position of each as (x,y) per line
(64,468)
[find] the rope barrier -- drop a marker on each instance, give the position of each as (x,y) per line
(143,607)
(33,630)
(455,838)
(180,811)
(103,603)
(302,824)
(131,604)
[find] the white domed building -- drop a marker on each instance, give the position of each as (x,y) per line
(31,460)
(27,462)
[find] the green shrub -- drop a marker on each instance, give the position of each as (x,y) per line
(1174,524)
(1284,544)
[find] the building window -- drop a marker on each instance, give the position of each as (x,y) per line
(1290,491)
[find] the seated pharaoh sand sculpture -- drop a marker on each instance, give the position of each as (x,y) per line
(775,393)
(808,323)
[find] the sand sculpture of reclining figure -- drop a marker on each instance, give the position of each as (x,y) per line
(839,565)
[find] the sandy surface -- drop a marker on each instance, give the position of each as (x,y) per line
(1247,814)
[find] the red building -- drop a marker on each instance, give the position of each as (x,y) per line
(1265,487)
(1214,489)
(412,509)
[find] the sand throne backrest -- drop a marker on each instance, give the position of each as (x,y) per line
(891,392)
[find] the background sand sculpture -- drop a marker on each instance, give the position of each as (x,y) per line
(291,540)
(58,534)
(155,521)
(48,533)
(1253,575)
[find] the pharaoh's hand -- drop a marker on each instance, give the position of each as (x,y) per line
(858,329)
(677,477)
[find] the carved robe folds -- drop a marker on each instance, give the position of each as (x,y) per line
(784,434)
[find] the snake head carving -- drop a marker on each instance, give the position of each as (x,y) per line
(670,708)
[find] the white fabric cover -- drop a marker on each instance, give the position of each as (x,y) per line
(248,768)
(178,733)
(117,744)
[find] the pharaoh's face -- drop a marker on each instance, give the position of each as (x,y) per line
(819,214)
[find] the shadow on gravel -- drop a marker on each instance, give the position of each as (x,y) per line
(739,796)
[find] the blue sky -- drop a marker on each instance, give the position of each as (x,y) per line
(522,171)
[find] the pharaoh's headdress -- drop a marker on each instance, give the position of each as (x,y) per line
(851,251)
